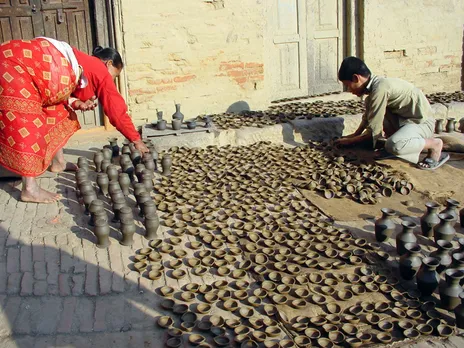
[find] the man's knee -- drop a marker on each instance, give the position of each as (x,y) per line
(395,146)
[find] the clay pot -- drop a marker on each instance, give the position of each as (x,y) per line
(450,124)
(191,124)
(148,208)
(102,182)
(126,213)
(113,186)
(139,168)
(410,261)
(161,125)
(125,147)
(461,125)
(139,188)
(124,182)
(102,232)
(98,159)
(176,124)
(128,229)
(136,157)
(105,164)
(112,172)
(107,153)
(439,126)
(178,115)
(141,198)
(450,289)
(166,163)
(443,254)
(149,162)
(452,209)
(430,219)
(459,312)
(95,206)
(445,229)
(147,179)
(88,197)
(405,236)
(151,226)
(83,163)
(427,276)
(114,146)
(385,226)
(118,203)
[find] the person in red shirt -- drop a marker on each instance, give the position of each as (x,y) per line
(37,115)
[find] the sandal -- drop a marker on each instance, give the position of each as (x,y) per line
(430,164)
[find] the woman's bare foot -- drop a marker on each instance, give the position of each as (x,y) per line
(59,164)
(58,167)
(31,192)
(39,196)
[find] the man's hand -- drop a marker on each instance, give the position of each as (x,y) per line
(139,145)
(85,105)
(349,140)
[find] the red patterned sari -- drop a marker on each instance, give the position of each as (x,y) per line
(35,122)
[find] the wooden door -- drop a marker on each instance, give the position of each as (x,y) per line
(325,43)
(287,61)
(19,19)
(69,21)
(64,20)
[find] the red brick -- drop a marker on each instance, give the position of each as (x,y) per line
(231,65)
(184,78)
(236,73)
(142,91)
(159,81)
(63,284)
(27,284)
(166,88)
(241,79)
(254,65)
(12,260)
(257,78)
(66,319)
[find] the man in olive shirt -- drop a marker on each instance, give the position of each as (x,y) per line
(398,110)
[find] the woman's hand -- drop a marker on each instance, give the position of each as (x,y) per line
(85,105)
(139,145)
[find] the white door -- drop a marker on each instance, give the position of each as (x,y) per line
(286,47)
(325,45)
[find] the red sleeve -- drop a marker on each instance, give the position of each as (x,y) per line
(115,108)
(101,84)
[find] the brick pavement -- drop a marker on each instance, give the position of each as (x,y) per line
(57,288)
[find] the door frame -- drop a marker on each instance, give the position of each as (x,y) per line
(105,35)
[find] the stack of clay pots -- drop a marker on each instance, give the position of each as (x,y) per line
(118,170)
(445,260)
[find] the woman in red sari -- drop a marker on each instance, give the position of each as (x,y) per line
(37,79)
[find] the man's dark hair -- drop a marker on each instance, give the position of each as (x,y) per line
(351,66)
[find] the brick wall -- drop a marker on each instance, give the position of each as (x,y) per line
(418,40)
(205,55)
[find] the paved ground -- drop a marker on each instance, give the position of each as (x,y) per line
(58,289)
